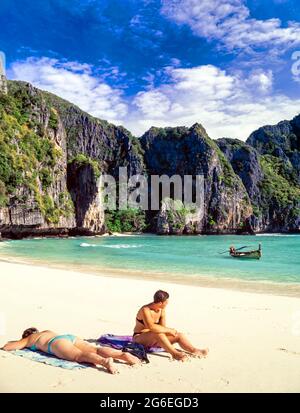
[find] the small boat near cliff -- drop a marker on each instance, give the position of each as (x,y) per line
(256,254)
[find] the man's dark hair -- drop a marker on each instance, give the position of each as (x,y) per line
(29,331)
(160,296)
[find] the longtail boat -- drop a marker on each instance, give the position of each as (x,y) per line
(256,254)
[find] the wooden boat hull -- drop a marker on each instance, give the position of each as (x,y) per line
(250,254)
(255,254)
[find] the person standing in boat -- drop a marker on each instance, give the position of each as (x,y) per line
(232,249)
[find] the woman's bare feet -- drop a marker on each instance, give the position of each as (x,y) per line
(180,356)
(108,363)
(200,353)
(130,359)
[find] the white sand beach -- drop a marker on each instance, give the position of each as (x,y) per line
(254,338)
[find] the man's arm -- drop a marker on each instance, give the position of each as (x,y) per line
(155,328)
(162,320)
(15,345)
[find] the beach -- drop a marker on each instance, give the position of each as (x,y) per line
(253,337)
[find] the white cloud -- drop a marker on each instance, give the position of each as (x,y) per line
(152,103)
(2,63)
(74,82)
(230,23)
(226,104)
(261,80)
(175,62)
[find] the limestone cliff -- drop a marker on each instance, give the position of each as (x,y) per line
(52,154)
(33,188)
(268,176)
(184,151)
(44,188)
(279,149)
(281,141)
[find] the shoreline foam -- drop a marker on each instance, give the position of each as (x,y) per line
(256,286)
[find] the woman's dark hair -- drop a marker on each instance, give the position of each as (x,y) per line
(29,331)
(160,296)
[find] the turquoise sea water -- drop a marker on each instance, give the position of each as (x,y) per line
(185,257)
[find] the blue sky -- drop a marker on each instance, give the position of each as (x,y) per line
(224,63)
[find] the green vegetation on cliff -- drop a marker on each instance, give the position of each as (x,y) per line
(125,220)
(177,213)
(40,133)
(82,159)
(274,186)
(23,153)
(110,141)
(28,156)
(3,197)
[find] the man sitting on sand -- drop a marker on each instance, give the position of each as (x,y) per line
(150,329)
(70,347)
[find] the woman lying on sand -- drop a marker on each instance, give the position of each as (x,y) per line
(70,347)
(150,329)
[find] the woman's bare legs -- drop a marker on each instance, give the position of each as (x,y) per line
(65,350)
(186,345)
(85,346)
(166,340)
(107,352)
(162,340)
(118,354)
